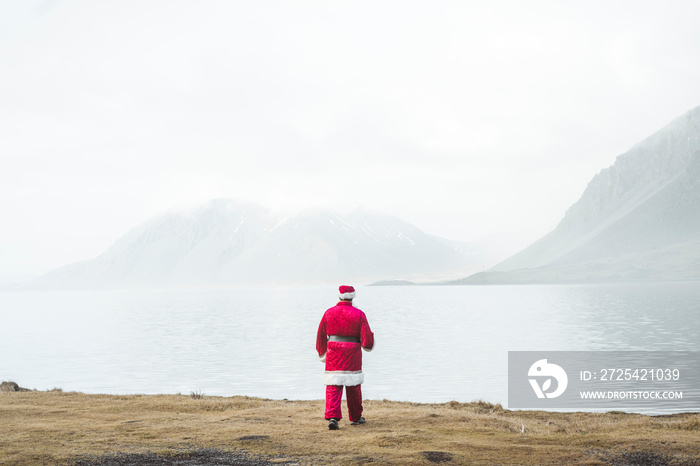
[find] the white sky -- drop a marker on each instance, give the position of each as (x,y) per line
(465,118)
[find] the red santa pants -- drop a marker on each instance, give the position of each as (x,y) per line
(334,395)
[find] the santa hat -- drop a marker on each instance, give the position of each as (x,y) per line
(347,293)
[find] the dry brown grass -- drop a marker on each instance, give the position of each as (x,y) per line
(58,427)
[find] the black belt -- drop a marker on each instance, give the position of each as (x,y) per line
(343,338)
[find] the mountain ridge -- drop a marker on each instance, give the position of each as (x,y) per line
(225,242)
(646,202)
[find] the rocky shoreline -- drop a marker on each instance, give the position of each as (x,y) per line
(12,387)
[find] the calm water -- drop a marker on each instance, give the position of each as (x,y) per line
(434,344)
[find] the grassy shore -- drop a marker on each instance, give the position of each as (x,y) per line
(64,428)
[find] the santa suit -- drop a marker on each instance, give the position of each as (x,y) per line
(342,335)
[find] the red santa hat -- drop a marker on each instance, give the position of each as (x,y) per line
(347,293)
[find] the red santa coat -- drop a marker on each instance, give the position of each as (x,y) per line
(343,358)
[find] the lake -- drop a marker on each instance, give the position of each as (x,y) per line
(433,343)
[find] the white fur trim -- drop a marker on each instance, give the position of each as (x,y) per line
(374,345)
(347,296)
(343,378)
(322,358)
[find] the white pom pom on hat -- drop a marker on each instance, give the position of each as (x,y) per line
(347,293)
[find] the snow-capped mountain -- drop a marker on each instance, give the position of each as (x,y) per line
(226,242)
(175,248)
(638,219)
(322,245)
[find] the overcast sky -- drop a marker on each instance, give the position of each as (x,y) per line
(464,118)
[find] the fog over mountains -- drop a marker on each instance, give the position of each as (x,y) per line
(226,242)
(638,219)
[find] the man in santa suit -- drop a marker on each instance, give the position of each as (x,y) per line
(342,332)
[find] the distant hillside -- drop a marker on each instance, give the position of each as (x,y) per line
(636,220)
(226,242)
